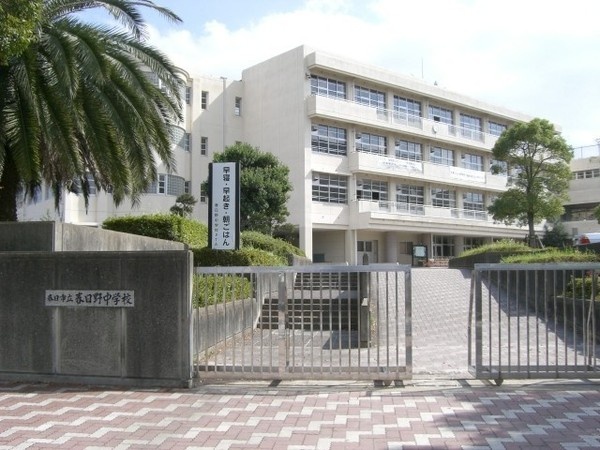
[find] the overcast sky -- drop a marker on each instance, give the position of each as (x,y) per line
(538,57)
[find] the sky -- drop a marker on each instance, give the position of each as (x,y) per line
(537,57)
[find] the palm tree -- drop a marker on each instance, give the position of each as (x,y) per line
(86,102)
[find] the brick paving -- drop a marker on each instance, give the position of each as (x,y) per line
(441,408)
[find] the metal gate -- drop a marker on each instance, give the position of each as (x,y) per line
(306,322)
(535,321)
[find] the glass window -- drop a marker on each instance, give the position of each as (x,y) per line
(471,127)
(203,194)
(187,187)
(162,183)
(369,97)
(188,95)
(327,87)
(472,242)
(408,150)
(238,106)
(496,128)
(410,198)
(371,143)
(473,205)
(329,188)
(438,155)
(187,143)
(443,198)
(371,190)
(204,102)
(407,111)
(439,114)
(203,145)
(329,139)
(472,162)
(175,185)
(177,136)
(443,246)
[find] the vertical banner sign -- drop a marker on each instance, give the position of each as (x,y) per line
(224,206)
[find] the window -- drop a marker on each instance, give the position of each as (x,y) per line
(408,150)
(327,87)
(472,162)
(329,188)
(369,97)
(203,145)
(187,188)
(238,106)
(188,95)
(203,194)
(371,143)
(443,246)
(496,128)
(371,190)
(443,198)
(439,114)
(187,143)
(167,184)
(438,155)
(473,206)
(470,127)
(498,166)
(177,136)
(472,242)
(583,174)
(204,101)
(407,111)
(328,139)
(410,198)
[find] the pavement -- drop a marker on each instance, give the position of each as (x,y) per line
(441,407)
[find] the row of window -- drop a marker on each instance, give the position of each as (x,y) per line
(331,188)
(333,140)
(583,174)
(404,108)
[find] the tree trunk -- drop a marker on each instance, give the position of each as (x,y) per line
(531,238)
(9,185)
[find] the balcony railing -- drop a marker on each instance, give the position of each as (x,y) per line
(429,211)
(365,112)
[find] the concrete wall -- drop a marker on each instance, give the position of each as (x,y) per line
(146,343)
(56,236)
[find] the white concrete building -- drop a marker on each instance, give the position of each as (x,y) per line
(379,162)
(584,192)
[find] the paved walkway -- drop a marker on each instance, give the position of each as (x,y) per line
(440,408)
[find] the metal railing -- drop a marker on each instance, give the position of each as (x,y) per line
(315,322)
(534,321)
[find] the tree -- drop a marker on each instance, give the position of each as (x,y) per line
(264,187)
(537,159)
(184,205)
(18,21)
(557,236)
(84,102)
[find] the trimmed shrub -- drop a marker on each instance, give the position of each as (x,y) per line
(214,288)
(162,226)
(244,257)
(552,255)
(502,246)
(270,244)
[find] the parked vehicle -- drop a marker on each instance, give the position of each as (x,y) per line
(587,238)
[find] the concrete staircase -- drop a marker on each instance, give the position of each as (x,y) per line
(319,301)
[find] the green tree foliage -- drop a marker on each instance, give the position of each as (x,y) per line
(18,22)
(264,189)
(80,103)
(557,236)
(184,205)
(537,159)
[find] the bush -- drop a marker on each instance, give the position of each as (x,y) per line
(551,255)
(215,288)
(162,226)
(502,246)
(582,288)
(277,246)
(244,257)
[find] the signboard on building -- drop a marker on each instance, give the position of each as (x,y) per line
(224,206)
(97,298)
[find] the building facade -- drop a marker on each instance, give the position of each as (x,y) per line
(380,163)
(584,192)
